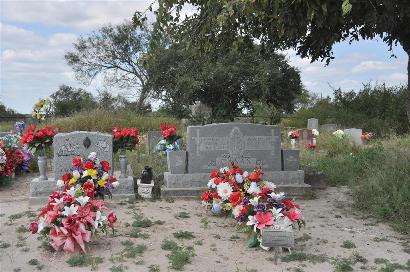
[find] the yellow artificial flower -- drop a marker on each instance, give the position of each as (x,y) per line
(101,183)
(72,180)
(92,172)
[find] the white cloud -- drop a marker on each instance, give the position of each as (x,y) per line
(372,65)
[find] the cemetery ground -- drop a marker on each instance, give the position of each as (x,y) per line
(178,234)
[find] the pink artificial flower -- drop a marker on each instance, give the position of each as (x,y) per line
(293,215)
(264,219)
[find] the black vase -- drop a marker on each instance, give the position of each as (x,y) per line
(146,175)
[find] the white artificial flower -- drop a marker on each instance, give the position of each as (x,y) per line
(224,190)
(238,178)
(254,188)
(339,133)
(92,156)
(99,219)
(270,185)
(76,174)
(71,191)
(237,210)
(315,132)
(245,174)
(276,213)
(224,169)
(252,222)
(115,184)
(82,200)
(277,197)
(60,183)
(211,184)
(283,223)
(106,176)
(57,201)
(72,210)
(254,201)
(41,223)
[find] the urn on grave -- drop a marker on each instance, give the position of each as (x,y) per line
(146,175)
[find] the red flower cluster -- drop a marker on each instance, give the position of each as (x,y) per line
(124,132)
(310,146)
(294,134)
(367,136)
(14,158)
(168,130)
(32,135)
(125,138)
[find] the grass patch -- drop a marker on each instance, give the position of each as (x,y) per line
(184,235)
(136,233)
(169,245)
(33,262)
(342,265)
(204,222)
(198,243)
(302,257)
(357,258)
(118,268)
(4,244)
(180,257)
(348,244)
(83,260)
(153,268)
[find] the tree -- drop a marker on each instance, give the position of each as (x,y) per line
(229,82)
(68,100)
(6,112)
(116,53)
(311,27)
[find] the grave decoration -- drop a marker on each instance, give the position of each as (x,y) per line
(146,183)
(39,141)
(293,136)
(19,127)
(252,201)
(41,109)
(124,139)
(366,136)
(315,134)
(170,141)
(339,133)
(311,146)
(74,214)
(13,157)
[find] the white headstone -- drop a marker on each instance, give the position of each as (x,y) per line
(355,135)
(313,123)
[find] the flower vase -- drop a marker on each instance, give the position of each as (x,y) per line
(314,141)
(42,167)
(123,166)
(293,143)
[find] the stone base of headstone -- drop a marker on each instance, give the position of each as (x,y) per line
(40,190)
(126,187)
(193,184)
(316,179)
(145,190)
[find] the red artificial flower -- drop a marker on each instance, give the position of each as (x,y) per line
(167,130)
(70,223)
(205,196)
(264,219)
(289,204)
(112,179)
(88,165)
(117,134)
(116,129)
(214,174)
(217,181)
(33,227)
(264,191)
(1,144)
(254,177)
(112,218)
(235,198)
(134,132)
(164,126)
(66,177)
(293,215)
(125,132)
(68,199)
(244,210)
(88,188)
(105,166)
(77,161)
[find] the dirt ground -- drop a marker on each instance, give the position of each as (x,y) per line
(218,246)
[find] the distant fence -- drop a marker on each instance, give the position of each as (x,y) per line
(19,117)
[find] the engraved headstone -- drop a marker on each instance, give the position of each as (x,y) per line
(249,145)
(153,137)
(272,237)
(305,137)
(290,160)
(313,123)
(176,161)
(79,143)
(355,135)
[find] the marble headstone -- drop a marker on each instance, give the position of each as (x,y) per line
(290,159)
(153,137)
(250,145)
(305,137)
(313,123)
(79,143)
(355,135)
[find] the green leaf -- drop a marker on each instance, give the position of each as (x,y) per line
(252,241)
(346,7)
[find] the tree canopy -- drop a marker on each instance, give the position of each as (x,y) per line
(68,100)
(228,82)
(116,53)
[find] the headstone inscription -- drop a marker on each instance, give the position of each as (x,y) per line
(290,160)
(313,123)
(79,143)
(249,145)
(272,237)
(153,137)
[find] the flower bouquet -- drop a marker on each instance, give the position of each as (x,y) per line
(315,134)
(170,141)
(293,135)
(366,136)
(11,157)
(125,139)
(41,109)
(38,140)
(339,133)
(73,215)
(19,155)
(252,201)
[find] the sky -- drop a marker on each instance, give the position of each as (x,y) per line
(36,34)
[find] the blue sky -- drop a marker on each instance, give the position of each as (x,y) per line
(36,34)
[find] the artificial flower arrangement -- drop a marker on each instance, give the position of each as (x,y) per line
(339,133)
(19,126)
(125,139)
(293,134)
(41,109)
(366,136)
(71,216)
(315,133)
(252,201)
(11,156)
(38,140)
(170,141)
(311,146)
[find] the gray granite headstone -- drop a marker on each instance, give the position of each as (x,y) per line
(176,161)
(313,123)
(328,127)
(153,137)
(355,135)
(250,145)
(290,159)
(79,144)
